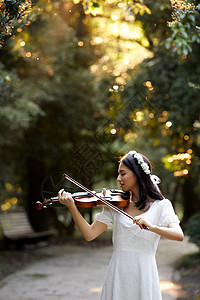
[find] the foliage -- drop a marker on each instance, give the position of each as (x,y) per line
(193,229)
(12,13)
(160,101)
(50,95)
(166,98)
(189,266)
(72,94)
(97,6)
(16,112)
(184,27)
(184,34)
(183,7)
(16,115)
(184,30)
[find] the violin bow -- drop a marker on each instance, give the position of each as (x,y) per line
(97,196)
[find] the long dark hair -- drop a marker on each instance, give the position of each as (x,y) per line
(146,186)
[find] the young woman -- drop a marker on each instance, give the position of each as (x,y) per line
(132,273)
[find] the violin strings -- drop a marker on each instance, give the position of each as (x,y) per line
(97,196)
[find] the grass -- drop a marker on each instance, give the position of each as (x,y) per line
(188,261)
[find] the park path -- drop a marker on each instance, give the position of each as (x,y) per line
(77,273)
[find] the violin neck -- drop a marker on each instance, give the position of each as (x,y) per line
(54,199)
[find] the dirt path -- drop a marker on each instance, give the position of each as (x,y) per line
(78,273)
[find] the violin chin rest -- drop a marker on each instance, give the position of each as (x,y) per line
(124,195)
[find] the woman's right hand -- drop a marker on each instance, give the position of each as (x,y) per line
(65,198)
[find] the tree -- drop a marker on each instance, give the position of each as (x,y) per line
(74,63)
(51,61)
(12,13)
(184,17)
(162,96)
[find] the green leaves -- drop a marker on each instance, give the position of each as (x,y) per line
(12,12)
(184,29)
(17,110)
(193,229)
(183,35)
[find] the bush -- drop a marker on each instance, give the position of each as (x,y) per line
(193,229)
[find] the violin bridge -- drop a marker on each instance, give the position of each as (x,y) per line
(104,192)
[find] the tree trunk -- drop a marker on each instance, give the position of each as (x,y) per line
(40,220)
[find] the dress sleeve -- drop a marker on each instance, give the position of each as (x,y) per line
(105,216)
(168,214)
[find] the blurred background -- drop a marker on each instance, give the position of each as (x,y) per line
(82,82)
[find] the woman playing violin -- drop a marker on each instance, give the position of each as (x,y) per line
(132,272)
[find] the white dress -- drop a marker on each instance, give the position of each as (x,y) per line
(132,272)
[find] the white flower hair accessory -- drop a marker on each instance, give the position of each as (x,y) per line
(155,179)
(140,160)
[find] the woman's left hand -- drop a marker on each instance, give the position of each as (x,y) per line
(142,223)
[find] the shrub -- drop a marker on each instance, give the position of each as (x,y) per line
(193,229)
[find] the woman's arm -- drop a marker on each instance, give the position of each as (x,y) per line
(172,232)
(89,232)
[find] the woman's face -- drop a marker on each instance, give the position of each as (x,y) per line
(127,179)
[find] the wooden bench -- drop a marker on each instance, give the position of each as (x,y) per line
(17,230)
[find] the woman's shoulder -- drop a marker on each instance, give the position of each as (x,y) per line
(166,213)
(163,203)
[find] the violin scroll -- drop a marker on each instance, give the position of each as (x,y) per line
(40,205)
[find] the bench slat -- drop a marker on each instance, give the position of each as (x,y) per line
(16,225)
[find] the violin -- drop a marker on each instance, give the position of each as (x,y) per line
(85,199)
(115,200)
